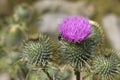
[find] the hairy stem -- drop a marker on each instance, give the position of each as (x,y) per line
(48,75)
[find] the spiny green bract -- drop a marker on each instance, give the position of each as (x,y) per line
(78,54)
(107,67)
(37,52)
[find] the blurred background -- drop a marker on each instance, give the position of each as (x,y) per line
(20,19)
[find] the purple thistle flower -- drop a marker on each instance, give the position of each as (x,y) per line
(75,29)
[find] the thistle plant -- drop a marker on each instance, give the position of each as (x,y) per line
(81,47)
(79,43)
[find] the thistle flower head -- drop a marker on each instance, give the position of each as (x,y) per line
(107,67)
(37,52)
(75,29)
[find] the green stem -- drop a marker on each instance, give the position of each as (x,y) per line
(28,74)
(48,75)
(77,73)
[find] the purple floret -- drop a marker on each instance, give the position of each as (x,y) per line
(75,29)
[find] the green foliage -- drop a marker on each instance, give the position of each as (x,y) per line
(14,36)
(23,12)
(55,73)
(107,67)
